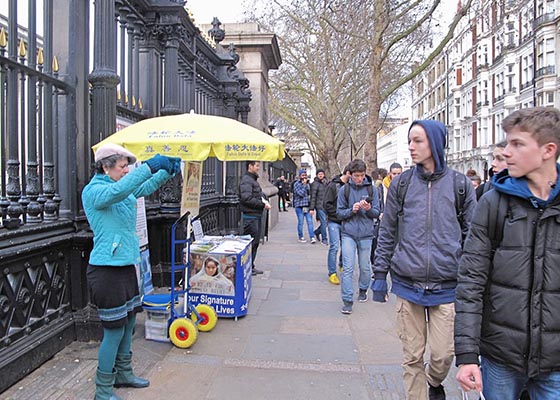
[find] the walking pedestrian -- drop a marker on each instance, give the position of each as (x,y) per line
(357,207)
(302,198)
(420,239)
(499,163)
(334,223)
(508,308)
(282,186)
(318,188)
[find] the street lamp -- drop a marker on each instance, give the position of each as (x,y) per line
(271,128)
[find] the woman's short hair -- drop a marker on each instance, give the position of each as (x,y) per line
(108,162)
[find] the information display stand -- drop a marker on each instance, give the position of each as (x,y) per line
(220,274)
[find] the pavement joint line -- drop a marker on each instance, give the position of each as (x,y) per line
(288,365)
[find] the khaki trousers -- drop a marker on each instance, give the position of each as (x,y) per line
(417,326)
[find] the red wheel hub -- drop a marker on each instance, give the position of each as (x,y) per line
(182,334)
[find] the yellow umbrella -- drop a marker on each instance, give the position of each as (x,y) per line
(195,137)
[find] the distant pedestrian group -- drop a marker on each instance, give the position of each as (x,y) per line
(475,281)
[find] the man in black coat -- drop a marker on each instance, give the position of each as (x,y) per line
(283,188)
(318,188)
(252,201)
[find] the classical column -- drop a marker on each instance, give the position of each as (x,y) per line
(171,93)
(104,78)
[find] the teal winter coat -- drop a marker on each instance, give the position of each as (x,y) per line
(111,211)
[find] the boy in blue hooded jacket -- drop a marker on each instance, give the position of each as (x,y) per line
(421,248)
(357,207)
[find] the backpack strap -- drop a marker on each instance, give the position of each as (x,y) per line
(460,193)
(402,188)
(497,221)
(460,188)
(347,191)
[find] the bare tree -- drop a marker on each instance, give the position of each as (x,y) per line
(390,44)
(343,65)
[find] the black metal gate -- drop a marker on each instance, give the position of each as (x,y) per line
(148,59)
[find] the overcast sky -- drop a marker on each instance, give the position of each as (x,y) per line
(226,10)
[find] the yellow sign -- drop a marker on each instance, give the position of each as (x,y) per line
(192,180)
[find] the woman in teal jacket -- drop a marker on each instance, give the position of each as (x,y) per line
(109,201)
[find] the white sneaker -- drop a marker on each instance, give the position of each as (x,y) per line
(302,240)
(313,240)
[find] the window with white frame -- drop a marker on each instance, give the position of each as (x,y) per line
(549,57)
(498,127)
(484,131)
(527,65)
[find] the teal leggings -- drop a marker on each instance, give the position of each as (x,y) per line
(115,341)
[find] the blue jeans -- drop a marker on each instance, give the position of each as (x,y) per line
(500,382)
(334,245)
(323,218)
(300,214)
(349,247)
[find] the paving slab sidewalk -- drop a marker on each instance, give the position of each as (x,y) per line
(293,344)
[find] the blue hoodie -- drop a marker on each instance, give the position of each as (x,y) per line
(436,133)
(519,187)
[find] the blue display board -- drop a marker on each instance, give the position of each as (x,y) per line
(220,276)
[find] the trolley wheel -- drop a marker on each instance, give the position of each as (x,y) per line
(183,333)
(208,315)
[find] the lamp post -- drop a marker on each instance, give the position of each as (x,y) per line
(271,128)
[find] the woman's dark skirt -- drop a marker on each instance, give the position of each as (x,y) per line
(114,291)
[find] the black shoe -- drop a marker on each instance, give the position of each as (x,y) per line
(255,271)
(436,392)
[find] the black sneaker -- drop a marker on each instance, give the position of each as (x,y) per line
(346,307)
(436,392)
(362,296)
(255,271)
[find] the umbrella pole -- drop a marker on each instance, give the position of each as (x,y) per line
(224,175)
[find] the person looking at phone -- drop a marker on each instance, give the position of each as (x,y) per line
(357,211)
(302,191)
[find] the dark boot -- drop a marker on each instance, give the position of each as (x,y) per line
(125,377)
(436,392)
(104,386)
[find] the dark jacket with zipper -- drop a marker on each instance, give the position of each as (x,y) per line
(251,195)
(318,189)
(508,298)
(331,198)
(427,256)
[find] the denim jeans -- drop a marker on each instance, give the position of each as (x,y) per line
(300,215)
(349,247)
(334,245)
(323,218)
(500,382)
